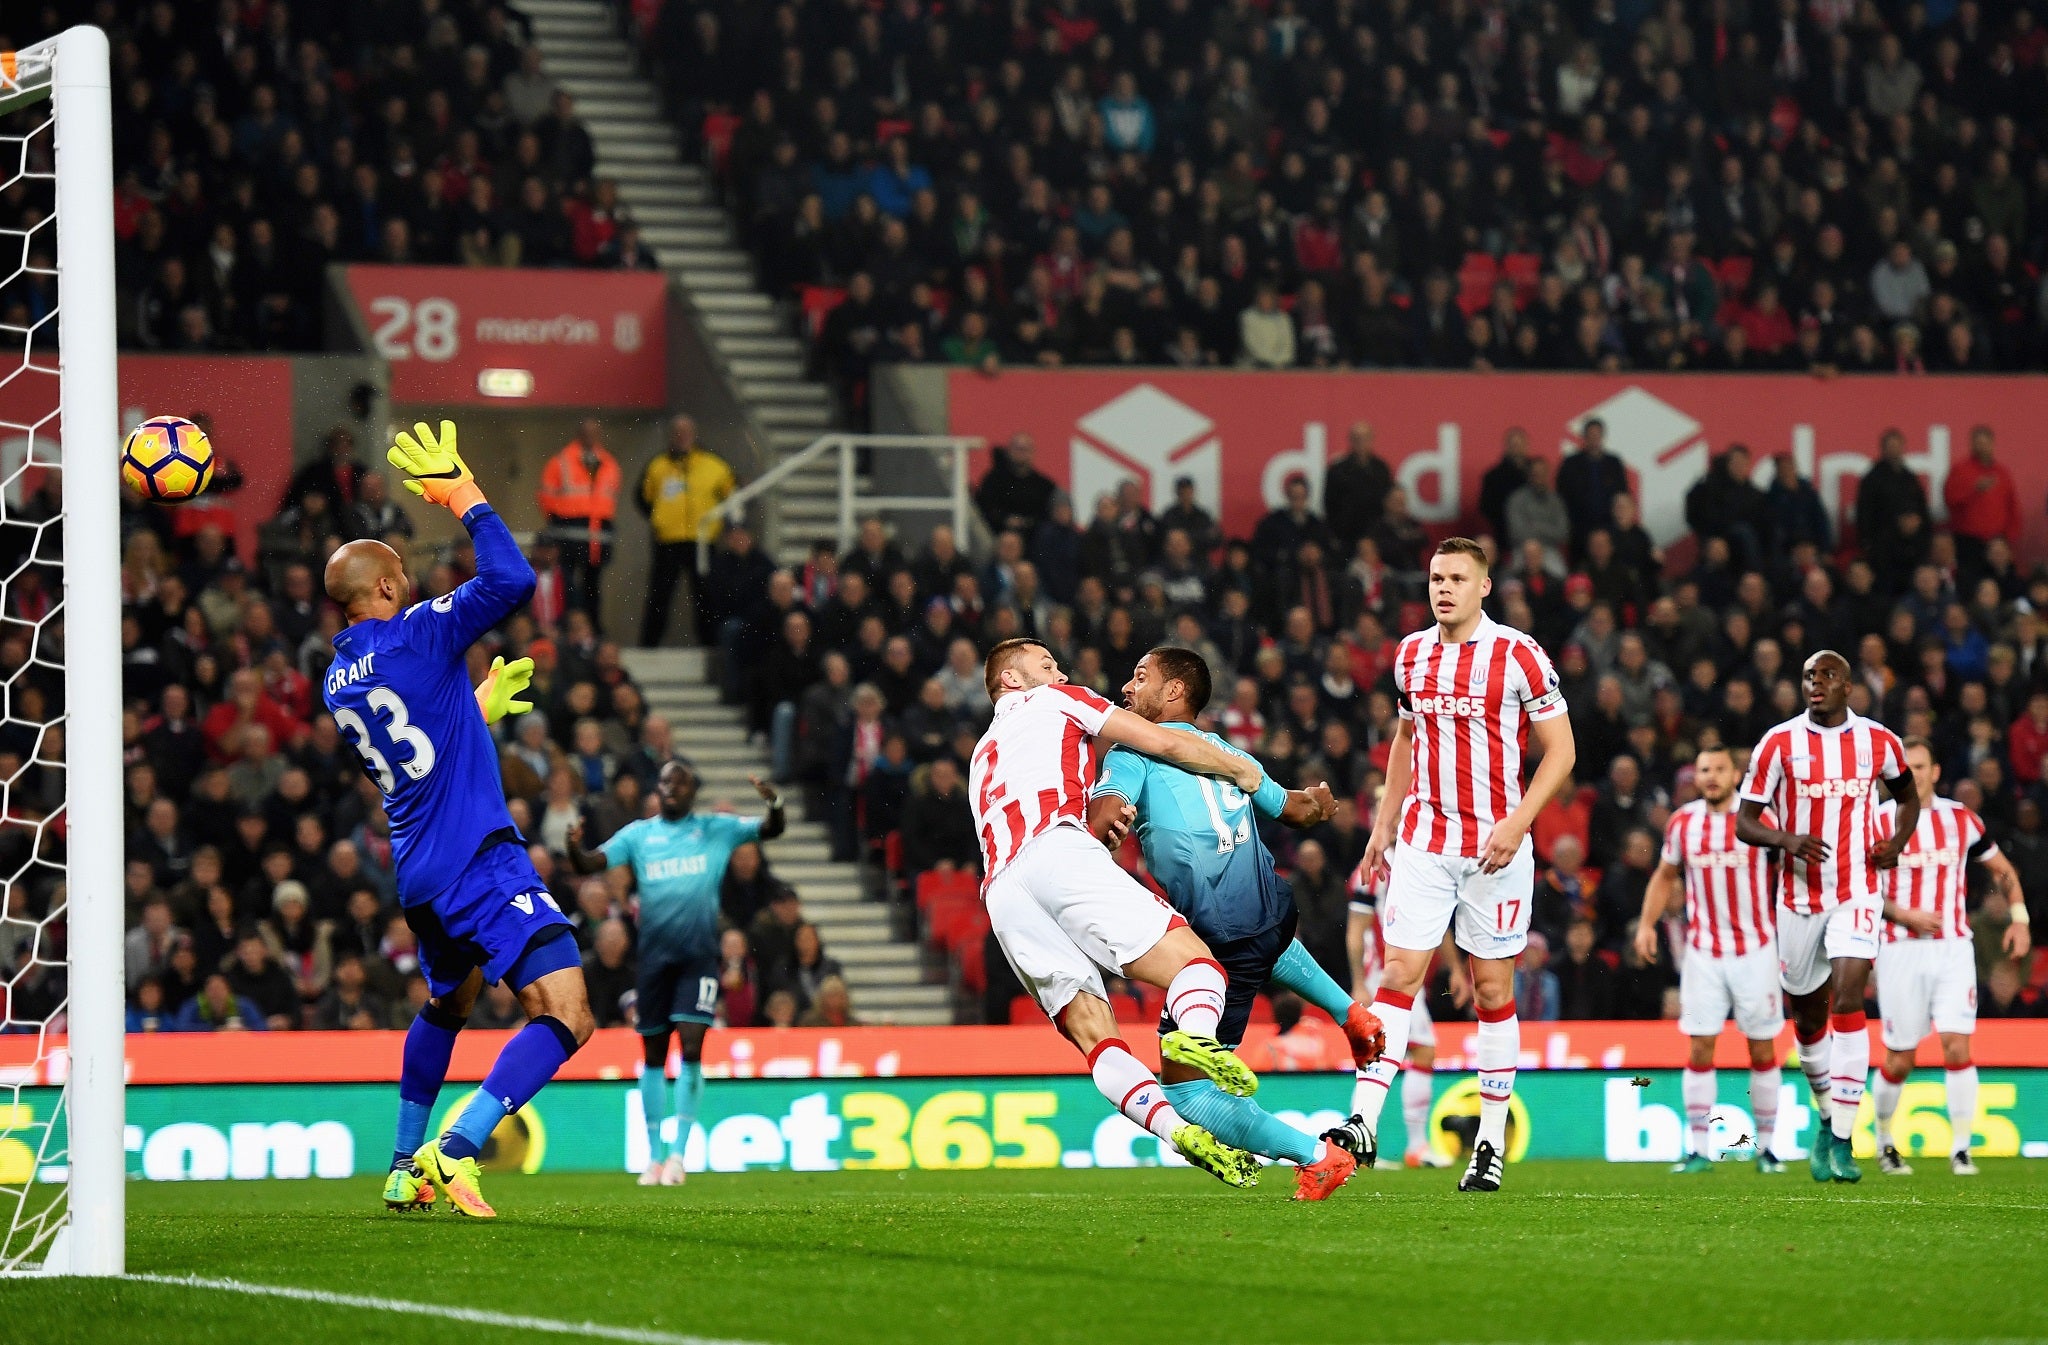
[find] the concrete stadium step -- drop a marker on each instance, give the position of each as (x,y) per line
(789,389)
(724,326)
(747,367)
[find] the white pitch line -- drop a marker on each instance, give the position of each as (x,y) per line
(474,1316)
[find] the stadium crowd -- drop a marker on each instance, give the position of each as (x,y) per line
(1602,184)
(256,141)
(259,880)
(864,670)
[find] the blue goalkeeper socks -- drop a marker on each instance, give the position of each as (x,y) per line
(1302,974)
(1240,1122)
(523,1068)
(654,1106)
(689,1088)
(429,1043)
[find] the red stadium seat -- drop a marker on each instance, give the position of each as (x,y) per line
(1475,281)
(1024,1012)
(972,957)
(1735,273)
(818,301)
(933,886)
(718,129)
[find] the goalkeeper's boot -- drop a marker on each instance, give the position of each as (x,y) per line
(1483,1172)
(1694,1163)
(1892,1163)
(1768,1163)
(1821,1161)
(407,1188)
(1209,1056)
(1232,1167)
(1959,1163)
(1842,1159)
(1368,1036)
(1315,1181)
(459,1179)
(1356,1138)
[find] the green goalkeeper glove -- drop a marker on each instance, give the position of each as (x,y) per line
(498,694)
(434,469)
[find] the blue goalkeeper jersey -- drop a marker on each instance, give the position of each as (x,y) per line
(1200,842)
(400,693)
(679,866)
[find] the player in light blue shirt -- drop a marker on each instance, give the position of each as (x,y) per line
(1202,846)
(399,692)
(678,861)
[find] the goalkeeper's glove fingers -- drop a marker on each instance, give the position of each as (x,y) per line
(499,694)
(434,468)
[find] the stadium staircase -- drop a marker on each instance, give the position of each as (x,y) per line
(886,977)
(691,234)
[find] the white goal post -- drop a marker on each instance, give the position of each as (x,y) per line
(67,1214)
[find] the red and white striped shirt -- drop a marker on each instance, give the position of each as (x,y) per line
(1469,705)
(1031,769)
(1824,782)
(1934,868)
(1731,887)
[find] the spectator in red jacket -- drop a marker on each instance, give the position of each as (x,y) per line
(2027,741)
(1982,502)
(226,723)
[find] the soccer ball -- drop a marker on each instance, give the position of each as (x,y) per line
(167,459)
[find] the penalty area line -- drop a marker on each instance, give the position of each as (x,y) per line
(509,1321)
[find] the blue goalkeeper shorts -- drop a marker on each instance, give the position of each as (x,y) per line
(489,918)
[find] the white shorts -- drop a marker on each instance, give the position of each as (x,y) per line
(1063,910)
(1710,988)
(1923,983)
(1425,892)
(1809,944)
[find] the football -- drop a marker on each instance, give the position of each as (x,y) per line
(167,459)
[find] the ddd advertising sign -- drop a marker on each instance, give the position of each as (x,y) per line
(203,1132)
(457,335)
(1240,435)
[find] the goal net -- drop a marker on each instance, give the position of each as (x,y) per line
(62,1165)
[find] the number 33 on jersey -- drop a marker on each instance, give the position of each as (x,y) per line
(399,692)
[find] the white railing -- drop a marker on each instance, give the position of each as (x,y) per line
(956,500)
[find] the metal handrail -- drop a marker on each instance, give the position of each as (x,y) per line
(956,498)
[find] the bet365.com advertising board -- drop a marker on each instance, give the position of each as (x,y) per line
(206,1132)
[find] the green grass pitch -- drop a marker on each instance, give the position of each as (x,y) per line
(1567,1252)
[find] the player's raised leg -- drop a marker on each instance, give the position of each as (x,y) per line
(1297,970)
(1196,986)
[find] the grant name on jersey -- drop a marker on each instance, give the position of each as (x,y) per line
(348,674)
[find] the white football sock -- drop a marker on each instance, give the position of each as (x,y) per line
(1194,999)
(1369,1097)
(1697,1088)
(1132,1089)
(1813,1062)
(1848,1070)
(1884,1095)
(1499,1050)
(1764,1087)
(1418,1088)
(1962,1107)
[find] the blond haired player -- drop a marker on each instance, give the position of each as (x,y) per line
(1453,832)
(1060,907)
(1819,774)
(1730,962)
(1927,966)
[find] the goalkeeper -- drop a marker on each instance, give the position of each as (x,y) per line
(399,692)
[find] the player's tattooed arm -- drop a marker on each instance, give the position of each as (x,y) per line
(1750,830)
(1189,751)
(581,860)
(2018,939)
(1309,807)
(1907,795)
(777,820)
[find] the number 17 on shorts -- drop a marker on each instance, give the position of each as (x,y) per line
(1488,913)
